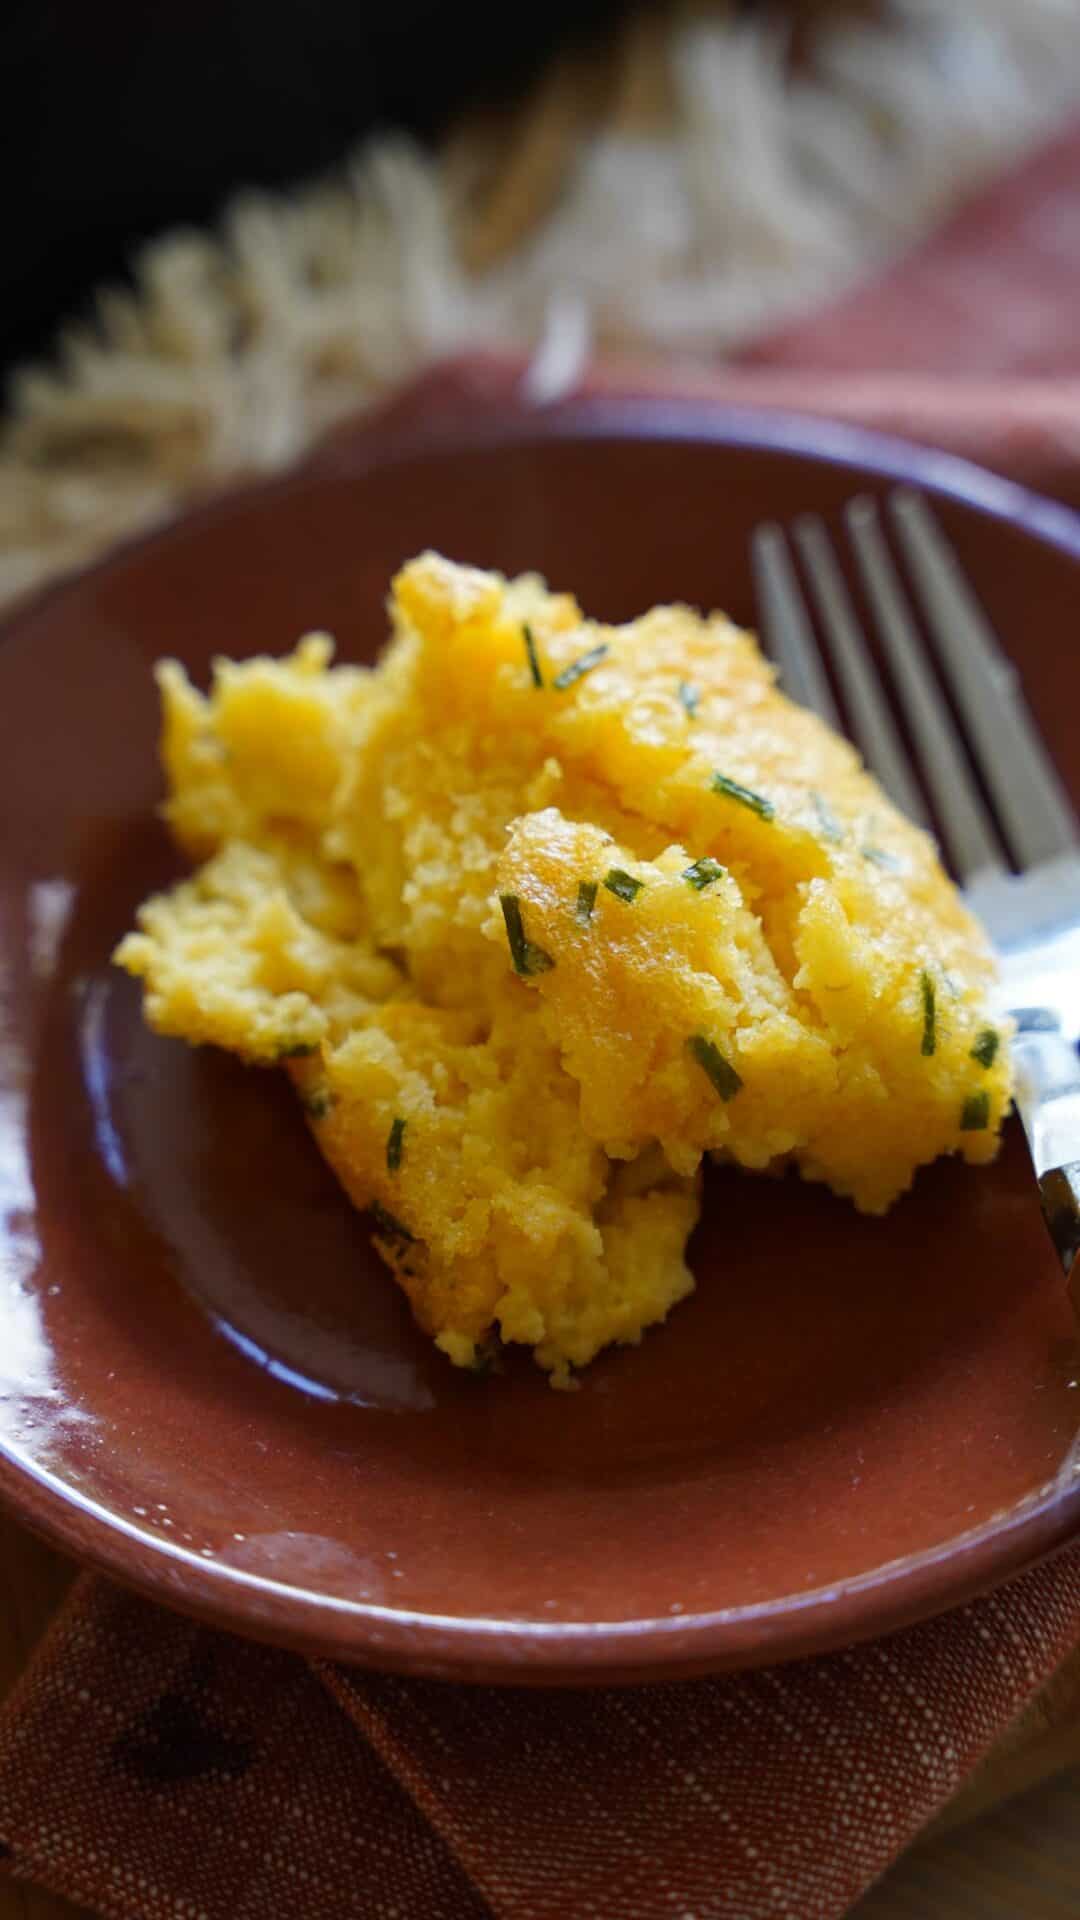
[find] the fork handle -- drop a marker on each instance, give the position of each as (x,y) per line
(1048,1100)
(1060,1192)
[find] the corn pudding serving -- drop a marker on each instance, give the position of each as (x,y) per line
(536,913)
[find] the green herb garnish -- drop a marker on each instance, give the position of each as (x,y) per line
(882,858)
(929,1014)
(579,668)
(827,820)
(297,1050)
(532,655)
(975,1113)
(319,1103)
(986,1045)
(527,958)
(623,885)
(586,901)
(703,873)
(690,697)
(487,1357)
(389,1224)
(395,1142)
(744,795)
(720,1071)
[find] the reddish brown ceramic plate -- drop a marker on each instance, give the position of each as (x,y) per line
(208,1385)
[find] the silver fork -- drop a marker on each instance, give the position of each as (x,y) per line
(1020,871)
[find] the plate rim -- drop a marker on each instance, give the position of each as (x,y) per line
(530,1652)
(918,1587)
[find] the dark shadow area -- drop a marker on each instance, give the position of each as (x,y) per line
(123,121)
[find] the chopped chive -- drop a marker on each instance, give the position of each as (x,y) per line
(579,668)
(532,655)
(690,697)
(527,958)
(586,901)
(986,1045)
(395,1143)
(744,795)
(319,1103)
(929,1014)
(720,1071)
(882,858)
(515,931)
(623,885)
(487,1357)
(827,820)
(975,1113)
(388,1223)
(703,873)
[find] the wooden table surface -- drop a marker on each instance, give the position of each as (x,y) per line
(1019,1861)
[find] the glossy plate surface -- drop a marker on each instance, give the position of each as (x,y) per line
(210,1388)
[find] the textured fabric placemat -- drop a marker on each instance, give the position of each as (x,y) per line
(150,1767)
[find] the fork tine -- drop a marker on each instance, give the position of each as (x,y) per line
(968,833)
(786,626)
(1030,799)
(872,724)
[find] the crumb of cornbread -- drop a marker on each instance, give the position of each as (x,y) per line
(536,912)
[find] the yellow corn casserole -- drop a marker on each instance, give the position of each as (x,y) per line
(537,912)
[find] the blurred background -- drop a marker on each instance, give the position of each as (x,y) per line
(125,119)
(232,224)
